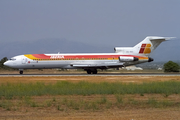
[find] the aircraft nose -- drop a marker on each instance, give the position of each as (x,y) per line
(6,63)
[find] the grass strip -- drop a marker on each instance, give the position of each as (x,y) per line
(10,90)
(101,103)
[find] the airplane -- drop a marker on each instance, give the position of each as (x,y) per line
(90,62)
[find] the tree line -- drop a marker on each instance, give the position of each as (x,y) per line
(171,67)
(2,66)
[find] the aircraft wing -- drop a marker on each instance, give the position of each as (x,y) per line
(100,66)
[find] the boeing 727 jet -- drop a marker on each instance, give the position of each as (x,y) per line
(90,62)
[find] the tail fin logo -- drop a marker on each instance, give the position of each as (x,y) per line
(145,49)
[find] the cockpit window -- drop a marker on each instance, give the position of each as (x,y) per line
(13,59)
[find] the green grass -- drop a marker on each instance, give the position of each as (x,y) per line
(102,103)
(6,104)
(23,92)
(10,90)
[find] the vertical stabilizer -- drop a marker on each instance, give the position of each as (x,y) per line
(150,43)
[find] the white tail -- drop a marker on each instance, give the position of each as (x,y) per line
(144,48)
(149,44)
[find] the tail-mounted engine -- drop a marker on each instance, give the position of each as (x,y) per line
(127,59)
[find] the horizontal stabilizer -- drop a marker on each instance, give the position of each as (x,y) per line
(160,38)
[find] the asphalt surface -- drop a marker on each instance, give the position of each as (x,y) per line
(99,74)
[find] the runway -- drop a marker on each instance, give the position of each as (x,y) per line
(99,74)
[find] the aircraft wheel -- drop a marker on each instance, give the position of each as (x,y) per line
(94,72)
(88,71)
(21,72)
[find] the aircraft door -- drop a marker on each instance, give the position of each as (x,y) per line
(24,60)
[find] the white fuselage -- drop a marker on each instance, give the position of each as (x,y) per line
(70,61)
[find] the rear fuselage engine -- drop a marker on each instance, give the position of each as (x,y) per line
(127,59)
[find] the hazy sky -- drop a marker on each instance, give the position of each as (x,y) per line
(100,22)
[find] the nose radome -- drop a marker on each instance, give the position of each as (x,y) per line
(6,63)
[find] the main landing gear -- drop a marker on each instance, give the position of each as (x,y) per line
(91,71)
(21,72)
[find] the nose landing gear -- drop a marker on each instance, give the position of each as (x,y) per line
(21,71)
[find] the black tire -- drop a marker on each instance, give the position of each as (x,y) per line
(94,72)
(88,71)
(21,72)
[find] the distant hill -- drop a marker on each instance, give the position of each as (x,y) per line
(10,49)
(169,50)
(166,51)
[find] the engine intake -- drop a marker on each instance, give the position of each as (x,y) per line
(128,59)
